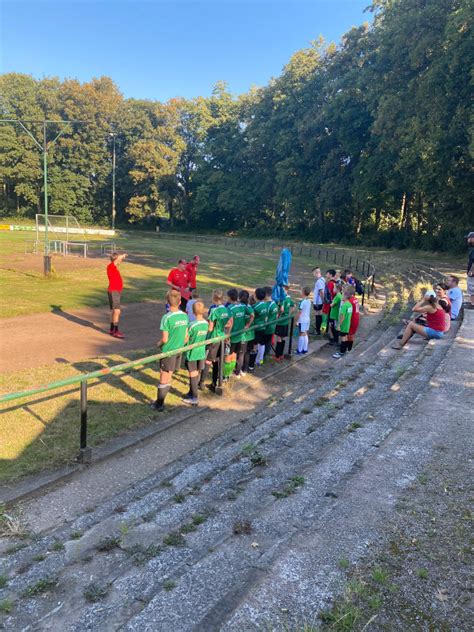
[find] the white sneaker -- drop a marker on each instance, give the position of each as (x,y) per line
(337,355)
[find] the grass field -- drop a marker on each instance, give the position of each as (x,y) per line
(44,430)
(82,283)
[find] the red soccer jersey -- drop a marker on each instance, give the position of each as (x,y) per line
(191,271)
(115,278)
(180,278)
(355,315)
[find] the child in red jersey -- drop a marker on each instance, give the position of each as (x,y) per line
(114,292)
(355,316)
(329,294)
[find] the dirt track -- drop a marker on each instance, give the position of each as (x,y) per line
(68,336)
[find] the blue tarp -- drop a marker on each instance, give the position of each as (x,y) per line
(281,277)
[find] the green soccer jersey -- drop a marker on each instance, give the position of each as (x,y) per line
(197,332)
(285,306)
(336,304)
(176,324)
(261,315)
(249,335)
(272,316)
(345,315)
(239,312)
(220,317)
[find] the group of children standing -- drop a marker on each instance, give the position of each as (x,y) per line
(250,323)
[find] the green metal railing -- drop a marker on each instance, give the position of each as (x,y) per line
(84,378)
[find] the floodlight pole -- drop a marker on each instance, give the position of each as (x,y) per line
(113,181)
(46,253)
(44,149)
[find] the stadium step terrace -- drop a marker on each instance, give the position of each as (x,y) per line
(246,531)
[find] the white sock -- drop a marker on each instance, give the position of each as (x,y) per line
(305,343)
(260,353)
(300,343)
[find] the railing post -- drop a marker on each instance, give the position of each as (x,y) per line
(357,264)
(290,341)
(363,294)
(373,281)
(220,378)
(85,454)
(335,257)
(327,255)
(342,262)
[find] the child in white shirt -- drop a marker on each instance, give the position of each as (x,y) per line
(189,306)
(304,318)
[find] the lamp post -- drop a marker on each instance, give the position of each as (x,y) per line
(113,180)
(43,148)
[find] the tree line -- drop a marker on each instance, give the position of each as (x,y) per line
(369,141)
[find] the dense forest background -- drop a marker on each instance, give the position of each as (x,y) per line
(367,142)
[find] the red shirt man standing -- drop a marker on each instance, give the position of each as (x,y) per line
(114,292)
(178,280)
(191,269)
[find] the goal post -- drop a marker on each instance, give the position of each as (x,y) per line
(65,224)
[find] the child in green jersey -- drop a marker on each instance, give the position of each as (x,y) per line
(242,317)
(260,322)
(174,327)
(195,358)
(334,314)
(250,353)
(220,323)
(345,317)
(272,318)
(281,330)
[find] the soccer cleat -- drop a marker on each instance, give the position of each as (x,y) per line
(192,401)
(212,387)
(118,334)
(243,373)
(238,375)
(299,352)
(337,355)
(158,408)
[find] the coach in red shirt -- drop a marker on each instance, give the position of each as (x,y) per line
(178,280)
(191,270)
(114,292)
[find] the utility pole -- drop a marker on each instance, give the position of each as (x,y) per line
(113,180)
(43,147)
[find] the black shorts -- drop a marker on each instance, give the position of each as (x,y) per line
(261,338)
(282,330)
(235,347)
(318,308)
(213,352)
(195,365)
(171,364)
(114,299)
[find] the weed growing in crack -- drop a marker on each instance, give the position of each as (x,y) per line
(140,555)
(169,584)
(188,527)
(174,538)
(248,448)
(6,606)
(306,411)
(354,426)
(343,563)
(41,586)
(3,581)
(108,543)
(57,546)
(289,488)
(76,535)
(380,576)
(124,529)
(39,558)
(198,519)
(94,592)
(120,509)
(179,498)
(422,573)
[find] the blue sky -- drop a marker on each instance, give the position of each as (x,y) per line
(159,49)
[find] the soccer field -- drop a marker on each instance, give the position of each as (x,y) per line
(44,430)
(79,282)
